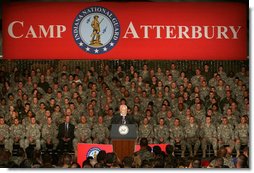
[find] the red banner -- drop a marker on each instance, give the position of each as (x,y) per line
(162,146)
(142,30)
(86,150)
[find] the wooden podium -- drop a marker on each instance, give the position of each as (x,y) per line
(123,139)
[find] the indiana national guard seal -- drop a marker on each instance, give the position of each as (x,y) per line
(93,152)
(96,30)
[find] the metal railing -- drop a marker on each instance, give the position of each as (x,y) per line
(182,65)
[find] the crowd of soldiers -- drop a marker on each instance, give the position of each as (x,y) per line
(191,109)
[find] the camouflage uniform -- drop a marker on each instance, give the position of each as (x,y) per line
(199,115)
(91,120)
(220,90)
(226,161)
(225,135)
(233,120)
(33,130)
(17,131)
(204,92)
(40,116)
(57,118)
(195,80)
(208,135)
(161,132)
(49,133)
(169,122)
(107,120)
(82,135)
(242,134)
(4,135)
(175,73)
(192,137)
(100,134)
(137,117)
(146,131)
(161,114)
(177,132)
(180,114)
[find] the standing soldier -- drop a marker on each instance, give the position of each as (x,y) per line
(177,136)
(208,135)
(192,136)
(82,133)
(161,134)
(100,132)
(4,133)
(241,134)
(225,134)
(175,73)
(17,134)
(146,131)
(96,31)
(49,134)
(33,134)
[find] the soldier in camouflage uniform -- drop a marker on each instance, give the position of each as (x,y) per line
(143,153)
(162,113)
(33,134)
(232,119)
(146,131)
(198,112)
(175,73)
(177,136)
(161,133)
(82,133)
(225,134)
(91,118)
(241,134)
(4,133)
(40,115)
(169,120)
(192,136)
(44,120)
(180,111)
(49,134)
(208,134)
(57,116)
(17,134)
(100,132)
(195,80)
(137,115)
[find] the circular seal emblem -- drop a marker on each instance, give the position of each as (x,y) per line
(96,30)
(93,152)
(123,129)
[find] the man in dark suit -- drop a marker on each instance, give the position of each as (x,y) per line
(122,118)
(66,134)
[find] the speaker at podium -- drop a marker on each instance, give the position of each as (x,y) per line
(123,137)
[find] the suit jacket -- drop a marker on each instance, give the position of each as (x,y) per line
(117,119)
(62,133)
